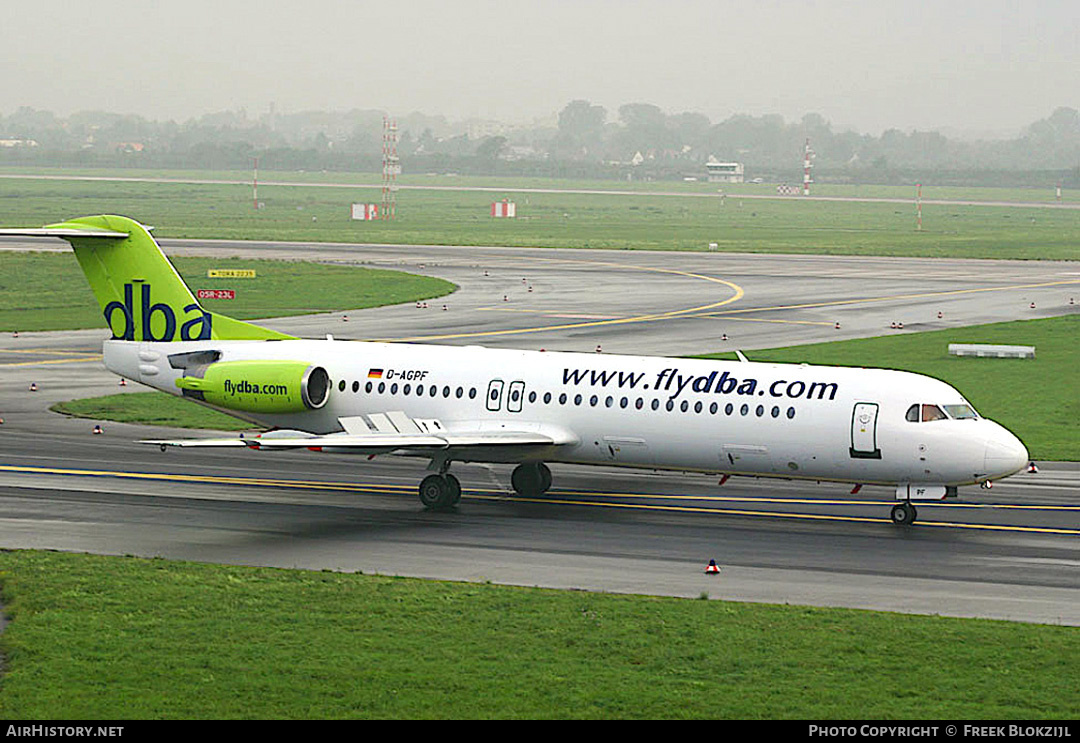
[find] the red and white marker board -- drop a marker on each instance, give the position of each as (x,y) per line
(365,212)
(504,208)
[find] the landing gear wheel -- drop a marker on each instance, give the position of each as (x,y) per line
(455,489)
(903,514)
(545,477)
(439,492)
(531,479)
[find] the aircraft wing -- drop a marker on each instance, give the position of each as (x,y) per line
(394,432)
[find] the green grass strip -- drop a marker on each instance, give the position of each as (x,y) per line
(150,408)
(96,637)
(682,221)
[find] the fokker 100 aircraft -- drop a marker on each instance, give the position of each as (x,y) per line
(470,404)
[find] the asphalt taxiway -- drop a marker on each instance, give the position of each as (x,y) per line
(1012,552)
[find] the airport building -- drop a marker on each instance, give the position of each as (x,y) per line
(724,172)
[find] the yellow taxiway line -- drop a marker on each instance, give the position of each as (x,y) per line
(737,294)
(70,357)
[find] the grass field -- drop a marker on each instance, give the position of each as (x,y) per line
(655,222)
(123,638)
(930,191)
(150,408)
(48,291)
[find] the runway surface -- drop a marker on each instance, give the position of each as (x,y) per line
(1012,552)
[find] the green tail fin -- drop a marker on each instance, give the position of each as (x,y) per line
(141,295)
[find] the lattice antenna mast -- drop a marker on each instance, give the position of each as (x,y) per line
(918,206)
(808,156)
(391,168)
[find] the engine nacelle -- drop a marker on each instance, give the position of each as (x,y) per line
(260,386)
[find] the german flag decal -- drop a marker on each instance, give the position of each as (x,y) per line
(374,374)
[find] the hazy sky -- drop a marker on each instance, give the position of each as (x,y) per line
(975,65)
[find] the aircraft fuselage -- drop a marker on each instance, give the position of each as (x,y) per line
(788,420)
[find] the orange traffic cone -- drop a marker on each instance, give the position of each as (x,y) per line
(712,568)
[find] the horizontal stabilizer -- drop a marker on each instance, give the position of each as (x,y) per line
(196,442)
(63,232)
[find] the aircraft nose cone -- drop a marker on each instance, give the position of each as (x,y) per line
(1005,455)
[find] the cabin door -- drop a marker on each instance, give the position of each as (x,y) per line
(864,431)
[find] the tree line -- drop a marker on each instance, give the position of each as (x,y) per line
(638,141)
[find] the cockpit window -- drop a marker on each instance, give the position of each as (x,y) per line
(926,412)
(932,413)
(960,412)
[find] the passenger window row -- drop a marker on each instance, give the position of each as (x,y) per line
(407,389)
(593,401)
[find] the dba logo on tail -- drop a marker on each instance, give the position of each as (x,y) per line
(196,328)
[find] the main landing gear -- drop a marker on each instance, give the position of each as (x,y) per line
(531,479)
(903,514)
(441,491)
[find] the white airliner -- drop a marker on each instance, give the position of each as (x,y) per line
(472,404)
